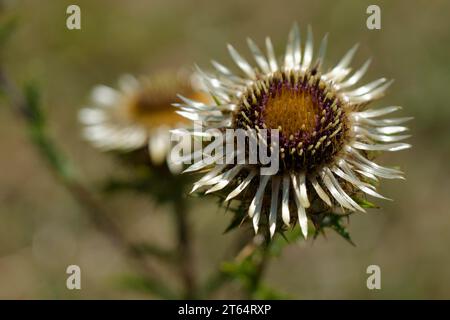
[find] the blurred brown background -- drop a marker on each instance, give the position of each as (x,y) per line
(42,230)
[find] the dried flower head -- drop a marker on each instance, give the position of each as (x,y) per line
(326,131)
(138,114)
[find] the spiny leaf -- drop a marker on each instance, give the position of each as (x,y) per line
(334,222)
(239,215)
(235,222)
(286,238)
(342,231)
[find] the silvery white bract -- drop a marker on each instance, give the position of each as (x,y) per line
(120,120)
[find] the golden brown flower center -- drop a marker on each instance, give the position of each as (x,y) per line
(151,108)
(310,115)
(292,110)
(151,111)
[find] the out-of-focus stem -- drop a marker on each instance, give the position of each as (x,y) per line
(185,249)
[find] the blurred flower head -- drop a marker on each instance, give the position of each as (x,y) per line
(138,115)
(327,133)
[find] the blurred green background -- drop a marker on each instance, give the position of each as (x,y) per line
(42,230)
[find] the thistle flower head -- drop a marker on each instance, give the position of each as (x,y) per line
(137,115)
(307,112)
(326,131)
